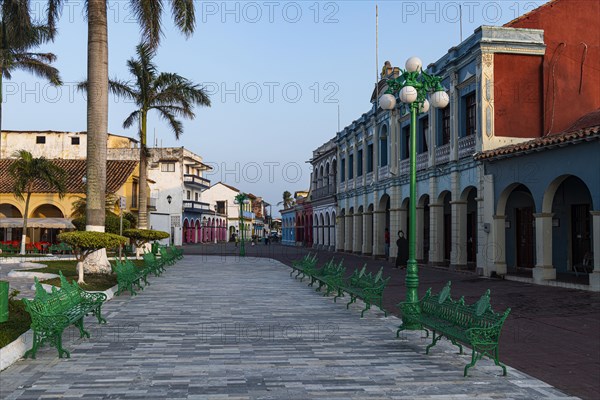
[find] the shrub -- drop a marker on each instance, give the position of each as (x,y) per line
(142,236)
(111,223)
(90,241)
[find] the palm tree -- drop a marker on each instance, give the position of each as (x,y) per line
(18,34)
(27,171)
(288,201)
(169,94)
(149,15)
(79,205)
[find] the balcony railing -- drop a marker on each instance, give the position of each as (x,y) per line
(195,206)
(248,214)
(442,154)
(323,192)
(466,146)
(196,180)
(405,167)
(422,161)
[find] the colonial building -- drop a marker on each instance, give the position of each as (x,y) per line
(323,195)
(528,80)
(223,196)
(48,213)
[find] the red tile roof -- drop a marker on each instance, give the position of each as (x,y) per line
(117,173)
(585,128)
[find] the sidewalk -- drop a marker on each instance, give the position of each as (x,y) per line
(224,328)
(552,333)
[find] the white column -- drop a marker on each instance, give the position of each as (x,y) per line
(436,233)
(348,234)
(544,270)
(595,274)
(340,233)
(367,246)
(358,233)
(458,249)
(378,233)
(394,228)
(497,252)
(420,233)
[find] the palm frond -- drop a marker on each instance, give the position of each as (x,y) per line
(149,15)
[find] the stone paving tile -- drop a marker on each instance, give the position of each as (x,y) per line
(218,328)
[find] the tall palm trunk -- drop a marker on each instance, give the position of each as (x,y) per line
(25,214)
(143,190)
(97,127)
(97,114)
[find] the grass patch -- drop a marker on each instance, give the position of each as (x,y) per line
(17,324)
(94,282)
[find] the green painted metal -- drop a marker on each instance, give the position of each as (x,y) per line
(4,288)
(423,83)
(52,312)
(305,266)
(366,287)
(475,325)
(129,276)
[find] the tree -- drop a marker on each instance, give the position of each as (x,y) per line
(18,35)
(27,171)
(149,15)
(169,94)
(288,201)
(85,244)
(79,205)
(141,237)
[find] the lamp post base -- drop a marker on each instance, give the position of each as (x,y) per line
(410,317)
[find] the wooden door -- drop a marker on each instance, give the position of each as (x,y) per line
(580,232)
(524,239)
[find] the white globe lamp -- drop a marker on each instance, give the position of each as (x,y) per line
(414,64)
(408,94)
(424,107)
(387,101)
(440,99)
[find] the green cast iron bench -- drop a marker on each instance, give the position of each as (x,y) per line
(475,325)
(129,275)
(305,266)
(52,312)
(156,265)
(364,286)
(331,275)
(177,253)
(168,257)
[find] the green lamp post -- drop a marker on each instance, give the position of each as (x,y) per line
(242,199)
(413,86)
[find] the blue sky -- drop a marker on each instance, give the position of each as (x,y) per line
(276,71)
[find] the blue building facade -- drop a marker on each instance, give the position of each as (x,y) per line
(288,226)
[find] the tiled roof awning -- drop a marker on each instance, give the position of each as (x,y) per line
(56,223)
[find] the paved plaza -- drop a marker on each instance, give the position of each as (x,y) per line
(223,328)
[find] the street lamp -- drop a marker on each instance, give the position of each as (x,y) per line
(242,199)
(413,86)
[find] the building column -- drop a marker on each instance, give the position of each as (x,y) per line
(498,250)
(595,274)
(340,233)
(367,245)
(436,234)
(357,239)
(394,228)
(378,237)
(420,233)
(348,234)
(544,270)
(458,250)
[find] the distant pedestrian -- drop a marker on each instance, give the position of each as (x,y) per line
(402,244)
(235,237)
(387,243)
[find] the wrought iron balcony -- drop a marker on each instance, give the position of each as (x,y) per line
(196,181)
(466,146)
(442,154)
(422,161)
(195,206)
(324,191)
